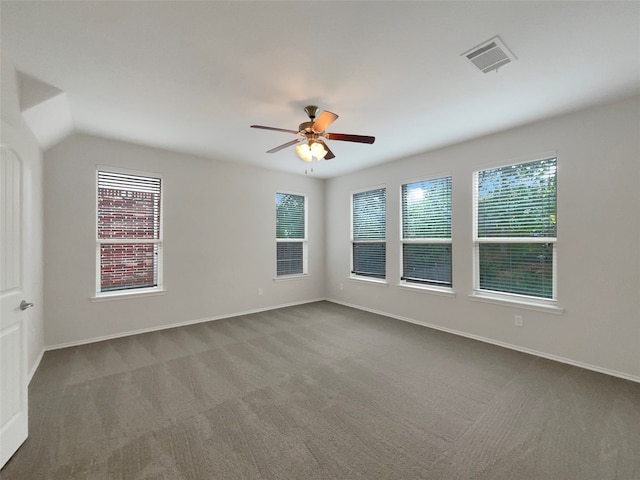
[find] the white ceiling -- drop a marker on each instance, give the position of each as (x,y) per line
(192,76)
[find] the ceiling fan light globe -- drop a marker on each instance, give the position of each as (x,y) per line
(304,152)
(318,150)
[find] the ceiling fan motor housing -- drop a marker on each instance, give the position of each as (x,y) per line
(306,126)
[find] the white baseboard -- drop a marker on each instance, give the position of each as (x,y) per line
(172,325)
(35,366)
(491,341)
(548,356)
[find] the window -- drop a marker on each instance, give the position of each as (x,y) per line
(129,235)
(291,234)
(426,232)
(369,219)
(515,229)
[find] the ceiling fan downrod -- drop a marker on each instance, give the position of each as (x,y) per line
(311,110)
(307,127)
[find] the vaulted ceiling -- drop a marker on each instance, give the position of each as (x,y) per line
(193,76)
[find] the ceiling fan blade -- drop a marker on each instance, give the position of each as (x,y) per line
(349,138)
(329,154)
(285,145)
(325,119)
(274,128)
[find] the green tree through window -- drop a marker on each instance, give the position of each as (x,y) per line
(290,234)
(369,227)
(516,222)
(426,232)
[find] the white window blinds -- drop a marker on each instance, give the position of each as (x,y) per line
(515,210)
(128,231)
(369,233)
(290,234)
(426,232)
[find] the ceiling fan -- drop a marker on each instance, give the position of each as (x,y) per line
(312,135)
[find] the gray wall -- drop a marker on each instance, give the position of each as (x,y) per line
(598,240)
(219,240)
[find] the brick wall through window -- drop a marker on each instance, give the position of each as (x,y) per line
(126,214)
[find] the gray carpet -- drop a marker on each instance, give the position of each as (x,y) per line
(322,391)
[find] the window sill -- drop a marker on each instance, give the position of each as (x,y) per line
(370,280)
(296,276)
(444,291)
(523,303)
(122,295)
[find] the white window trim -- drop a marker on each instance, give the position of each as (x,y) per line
(125,294)
(365,278)
(515,161)
(304,241)
(138,292)
(517,301)
(502,298)
(427,288)
(418,286)
(369,280)
(293,276)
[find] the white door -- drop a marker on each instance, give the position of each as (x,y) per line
(13,362)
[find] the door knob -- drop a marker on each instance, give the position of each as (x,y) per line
(24,305)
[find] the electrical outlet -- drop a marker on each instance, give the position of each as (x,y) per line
(341,286)
(259,291)
(518,321)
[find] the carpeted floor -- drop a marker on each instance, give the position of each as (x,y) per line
(322,391)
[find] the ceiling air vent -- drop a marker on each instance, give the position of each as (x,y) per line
(490,55)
